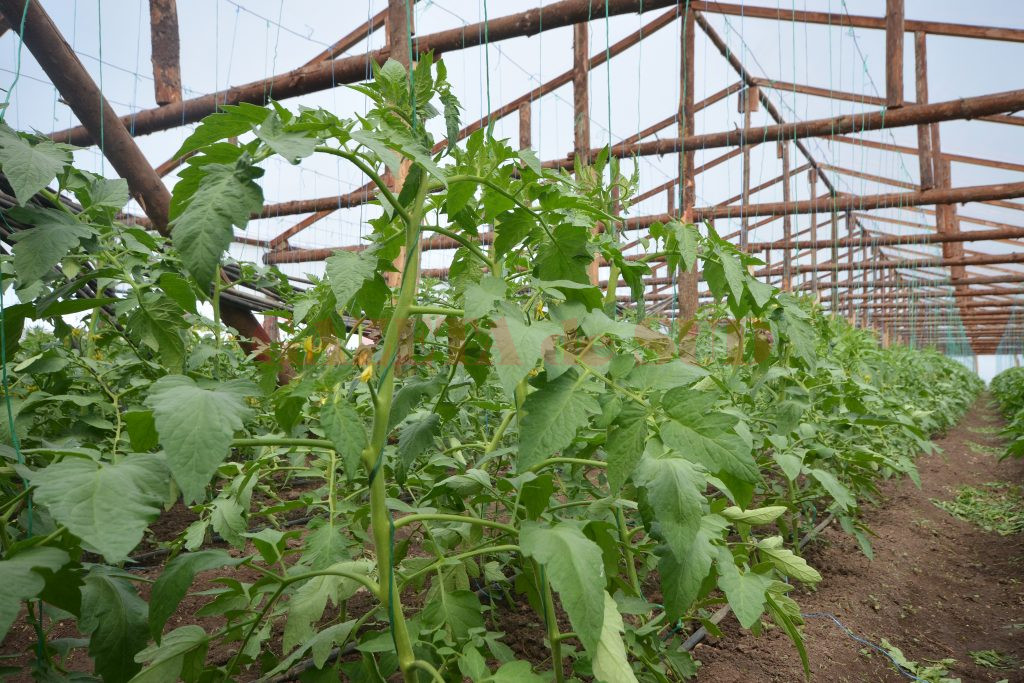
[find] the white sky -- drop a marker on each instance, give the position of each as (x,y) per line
(229,42)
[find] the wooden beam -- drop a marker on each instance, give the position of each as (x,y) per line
(890,200)
(894,53)
(166,49)
(912,263)
(326,75)
(352,38)
(843,20)
(914,114)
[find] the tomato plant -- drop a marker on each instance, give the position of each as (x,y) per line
(511,436)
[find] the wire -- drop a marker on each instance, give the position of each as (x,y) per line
(899,667)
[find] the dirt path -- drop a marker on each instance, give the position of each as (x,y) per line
(938,587)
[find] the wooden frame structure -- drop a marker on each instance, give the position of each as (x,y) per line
(872,276)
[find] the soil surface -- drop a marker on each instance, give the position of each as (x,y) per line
(938,587)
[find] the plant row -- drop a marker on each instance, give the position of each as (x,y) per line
(509,439)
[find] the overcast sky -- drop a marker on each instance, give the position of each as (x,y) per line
(229,42)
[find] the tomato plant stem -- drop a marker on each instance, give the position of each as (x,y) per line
(627,549)
(422,517)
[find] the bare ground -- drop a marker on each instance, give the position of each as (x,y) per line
(937,588)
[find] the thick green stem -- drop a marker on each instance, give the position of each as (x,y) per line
(438,517)
(567,461)
(381,523)
(551,621)
(436,310)
(500,432)
(269,441)
(627,549)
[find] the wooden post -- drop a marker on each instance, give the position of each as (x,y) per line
(894,53)
(812,178)
(525,125)
(581,110)
(687,279)
(747,103)
(924,133)
(834,258)
(787,226)
(398,27)
(163,26)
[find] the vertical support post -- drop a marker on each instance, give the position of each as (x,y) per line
(894,53)
(924,132)
(688,192)
(812,178)
(166,48)
(748,102)
(849,271)
(864,280)
(581,109)
(398,26)
(787,226)
(525,125)
(834,258)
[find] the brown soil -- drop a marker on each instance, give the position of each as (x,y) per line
(938,587)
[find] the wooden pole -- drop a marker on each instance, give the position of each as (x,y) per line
(163,24)
(924,133)
(894,53)
(787,228)
(688,300)
(812,179)
(747,104)
(525,125)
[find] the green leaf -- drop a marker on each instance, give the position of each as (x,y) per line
(52,235)
(459,195)
(516,671)
(786,561)
(231,121)
(745,591)
(572,564)
(179,291)
(789,625)
(710,439)
(319,647)
(108,506)
(196,425)
(460,611)
(114,617)
(292,145)
(681,580)
(674,491)
(754,516)
(624,445)
(175,580)
(307,604)
(179,657)
(553,415)
(111,193)
(839,493)
(347,272)
(415,437)
(480,297)
(30,167)
(518,347)
(157,324)
(511,228)
(609,660)
(22,576)
(343,426)
(225,197)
